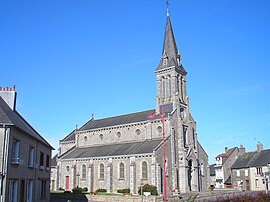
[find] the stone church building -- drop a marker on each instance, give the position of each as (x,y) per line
(126,151)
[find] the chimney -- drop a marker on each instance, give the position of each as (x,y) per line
(242,149)
(259,147)
(9,96)
(226,149)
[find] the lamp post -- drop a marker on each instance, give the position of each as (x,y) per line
(161,116)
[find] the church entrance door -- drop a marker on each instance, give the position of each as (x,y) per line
(67,182)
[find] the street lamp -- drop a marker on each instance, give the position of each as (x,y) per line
(161,116)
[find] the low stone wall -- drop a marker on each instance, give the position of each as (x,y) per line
(198,196)
(112,198)
(64,197)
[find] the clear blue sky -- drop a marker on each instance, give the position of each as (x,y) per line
(69,59)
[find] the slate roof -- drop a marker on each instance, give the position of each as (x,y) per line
(262,159)
(117,120)
(252,159)
(10,117)
(69,137)
(130,148)
(54,161)
(227,154)
(112,121)
(244,160)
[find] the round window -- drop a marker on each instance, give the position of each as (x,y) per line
(159,129)
(118,134)
(138,131)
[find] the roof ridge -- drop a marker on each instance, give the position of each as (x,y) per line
(68,151)
(24,120)
(71,133)
(17,120)
(114,121)
(123,115)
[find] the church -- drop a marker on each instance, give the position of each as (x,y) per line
(131,150)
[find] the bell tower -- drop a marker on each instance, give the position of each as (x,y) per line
(170,75)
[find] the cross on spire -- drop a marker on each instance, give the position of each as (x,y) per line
(167,7)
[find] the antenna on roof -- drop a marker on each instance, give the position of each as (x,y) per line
(167,7)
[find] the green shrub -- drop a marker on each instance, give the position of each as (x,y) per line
(148,188)
(101,190)
(61,189)
(85,189)
(77,190)
(126,191)
(123,191)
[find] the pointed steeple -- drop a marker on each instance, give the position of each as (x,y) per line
(170,74)
(170,55)
(169,45)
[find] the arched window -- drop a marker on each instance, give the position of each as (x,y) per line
(169,86)
(85,140)
(83,171)
(101,171)
(144,170)
(121,171)
(163,88)
(101,136)
(181,88)
(159,129)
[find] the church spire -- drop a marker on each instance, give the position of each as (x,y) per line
(170,54)
(170,74)
(169,45)
(167,7)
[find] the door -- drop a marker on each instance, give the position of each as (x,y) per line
(67,183)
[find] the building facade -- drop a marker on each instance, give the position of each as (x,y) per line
(25,154)
(250,172)
(127,151)
(223,165)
